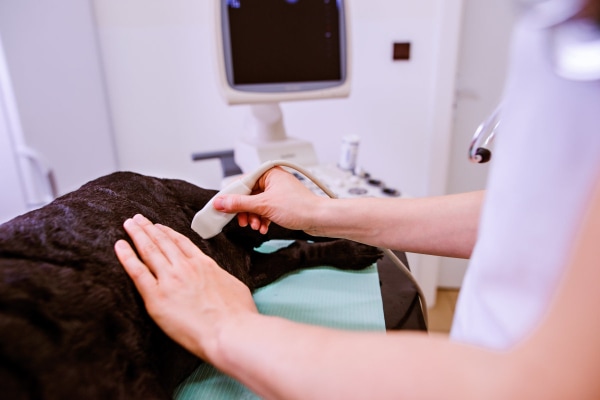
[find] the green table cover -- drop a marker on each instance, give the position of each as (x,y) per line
(320,296)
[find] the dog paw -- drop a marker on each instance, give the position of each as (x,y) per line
(353,256)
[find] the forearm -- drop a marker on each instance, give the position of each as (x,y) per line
(280,359)
(445,225)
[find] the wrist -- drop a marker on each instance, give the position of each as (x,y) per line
(319,217)
(220,350)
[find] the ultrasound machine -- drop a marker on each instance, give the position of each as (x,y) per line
(273,51)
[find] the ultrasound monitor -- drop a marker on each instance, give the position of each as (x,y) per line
(271,51)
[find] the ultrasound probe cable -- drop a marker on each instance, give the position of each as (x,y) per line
(208,222)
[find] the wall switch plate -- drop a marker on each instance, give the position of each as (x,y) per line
(401,51)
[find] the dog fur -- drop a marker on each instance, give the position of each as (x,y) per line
(72,324)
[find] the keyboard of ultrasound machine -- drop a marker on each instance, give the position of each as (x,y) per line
(346,184)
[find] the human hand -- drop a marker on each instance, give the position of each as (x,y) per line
(185,291)
(278,196)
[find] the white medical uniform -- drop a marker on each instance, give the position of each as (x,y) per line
(545,165)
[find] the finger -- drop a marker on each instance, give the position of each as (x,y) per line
(148,249)
(144,245)
(264,226)
(259,223)
(142,277)
(255,221)
(242,219)
(158,246)
(186,246)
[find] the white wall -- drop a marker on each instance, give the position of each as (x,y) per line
(159,60)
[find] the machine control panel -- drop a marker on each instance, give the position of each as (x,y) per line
(345,183)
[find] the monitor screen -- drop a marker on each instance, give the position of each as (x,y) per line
(284,49)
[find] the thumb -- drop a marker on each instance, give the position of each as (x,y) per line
(233,203)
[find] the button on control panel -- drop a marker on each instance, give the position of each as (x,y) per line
(346,184)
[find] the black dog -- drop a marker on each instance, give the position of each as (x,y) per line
(72,324)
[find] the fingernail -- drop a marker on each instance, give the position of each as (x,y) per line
(218,204)
(139,218)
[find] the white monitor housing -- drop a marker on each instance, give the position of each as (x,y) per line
(271,51)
